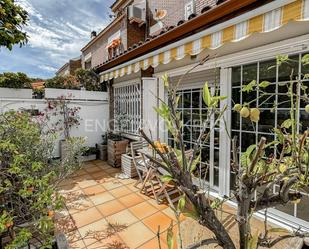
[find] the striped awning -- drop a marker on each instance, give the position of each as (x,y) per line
(297,10)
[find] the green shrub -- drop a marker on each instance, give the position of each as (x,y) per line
(88,79)
(15,80)
(62,82)
(29,178)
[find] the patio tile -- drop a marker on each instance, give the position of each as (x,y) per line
(79,205)
(127,181)
(153,244)
(119,192)
(111,170)
(124,217)
(77,245)
(136,235)
(73,236)
(131,200)
(101,198)
(132,187)
(94,190)
(92,169)
(156,220)
(86,183)
(170,213)
(158,206)
(86,217)
(111,184)
(111,242)
(110,208)
(143,210)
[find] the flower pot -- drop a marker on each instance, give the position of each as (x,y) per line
(103,152)
(114,151)
(127,165)
(15,93)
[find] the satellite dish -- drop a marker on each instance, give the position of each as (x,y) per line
(160,15)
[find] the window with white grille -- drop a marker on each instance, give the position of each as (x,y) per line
(127,108)
(272,20)
(189,9)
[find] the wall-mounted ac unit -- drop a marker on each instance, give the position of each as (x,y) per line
(137,13)
(155,29)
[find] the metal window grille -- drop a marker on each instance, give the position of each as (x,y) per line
(127,108)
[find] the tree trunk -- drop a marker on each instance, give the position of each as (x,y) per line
(243,216)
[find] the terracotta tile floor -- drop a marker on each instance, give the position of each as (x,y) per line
(108,213)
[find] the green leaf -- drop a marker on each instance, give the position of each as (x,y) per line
(206,95)
(249,87)
(281,59)
(181,203)
(166,178)
(253,241)
(264,84)
(165,80)
(305,59)
(170,236)
(245,158)
(195,163)
(287,124)
(278,230)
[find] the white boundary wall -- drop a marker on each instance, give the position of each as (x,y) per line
(94,116)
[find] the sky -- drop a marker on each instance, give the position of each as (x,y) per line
(57,30)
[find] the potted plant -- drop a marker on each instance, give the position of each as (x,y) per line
(116,146)
(103,148)
(15,85)
(68,118)
(89,154)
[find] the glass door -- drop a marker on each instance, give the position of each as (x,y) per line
(194,112)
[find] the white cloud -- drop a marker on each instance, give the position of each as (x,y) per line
(48,68)
(57,30)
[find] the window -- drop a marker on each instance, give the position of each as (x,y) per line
(272,20)
(189,9)
(241,30)
(216,39)
(127,108)
(193,112)
(243,128)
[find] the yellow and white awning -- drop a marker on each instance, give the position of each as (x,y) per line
(297,10)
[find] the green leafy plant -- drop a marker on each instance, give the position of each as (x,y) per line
(12,19)
(28,180)
(88,79)
(63,82)
(15,80)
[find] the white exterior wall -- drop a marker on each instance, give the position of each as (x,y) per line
(94,117)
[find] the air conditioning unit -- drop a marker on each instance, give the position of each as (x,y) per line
(155,29)
(137,14)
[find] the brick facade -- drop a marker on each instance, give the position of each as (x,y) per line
(200,4)
(131,33)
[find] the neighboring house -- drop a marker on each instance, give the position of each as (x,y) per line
(242,39)
(70,67)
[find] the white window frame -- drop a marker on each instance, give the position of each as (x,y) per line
(272,20)
(241,30)
(189,9)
